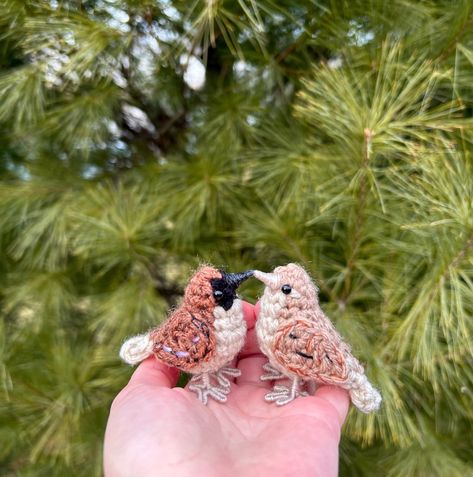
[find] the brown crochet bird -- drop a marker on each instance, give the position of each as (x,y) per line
(302,344)
(202,336)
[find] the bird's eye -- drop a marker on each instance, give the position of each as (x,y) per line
(286,289)
(218,294)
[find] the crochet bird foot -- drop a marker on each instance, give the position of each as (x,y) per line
(201,384)
(282,395)
(223,380)
(271,373)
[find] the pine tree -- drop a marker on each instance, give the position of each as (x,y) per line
(337,134)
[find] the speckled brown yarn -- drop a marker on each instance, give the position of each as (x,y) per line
(185,332)
(302,343)
(189,327)
(198,292)
(324,359)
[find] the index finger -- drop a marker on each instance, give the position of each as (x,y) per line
(249,314)
(153,372)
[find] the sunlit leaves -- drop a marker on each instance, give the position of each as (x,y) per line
(437,307)
(203,193)
(395,100)
(56,402)
(288,166)
(232,20)
(134,305)
(432,456)
(38,216)
(22,95)
(229,121)
(39,299)
(116,226)
(82,45)
(84,120)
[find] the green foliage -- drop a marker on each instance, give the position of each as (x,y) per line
(334,134)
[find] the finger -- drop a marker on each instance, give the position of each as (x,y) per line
(257,309)
(151,371)
(251,346)
(337,397)
(249,314)
(251,369)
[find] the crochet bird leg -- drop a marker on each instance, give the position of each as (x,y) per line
(229,371)
(271,373)
(202,385)
(282,395)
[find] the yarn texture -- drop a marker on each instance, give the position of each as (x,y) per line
(136,349)
(301,342)
(200,337)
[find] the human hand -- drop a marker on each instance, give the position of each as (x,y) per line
(155,429)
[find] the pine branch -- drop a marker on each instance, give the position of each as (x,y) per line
(404,330)
(452,45)
(297,43)
(359,211)
(358,167)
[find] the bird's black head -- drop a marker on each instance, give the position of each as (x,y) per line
(224,289)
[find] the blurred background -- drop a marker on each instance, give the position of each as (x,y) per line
(139,138)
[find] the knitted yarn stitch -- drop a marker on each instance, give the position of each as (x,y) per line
(200,337)
(301,341)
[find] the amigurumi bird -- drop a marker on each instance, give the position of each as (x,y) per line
(302,344)
(202,336)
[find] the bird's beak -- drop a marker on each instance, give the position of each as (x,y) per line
(236,279)
(269,279)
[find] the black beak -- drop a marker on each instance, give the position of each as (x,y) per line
(234,280)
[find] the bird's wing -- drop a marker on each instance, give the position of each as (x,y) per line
(312,351)
(184,341)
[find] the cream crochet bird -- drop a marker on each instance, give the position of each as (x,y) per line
(301,342)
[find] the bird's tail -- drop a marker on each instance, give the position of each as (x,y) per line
(136,349)
(363,395)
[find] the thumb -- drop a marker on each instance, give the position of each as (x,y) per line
(338,398)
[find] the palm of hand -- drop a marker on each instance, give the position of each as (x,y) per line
(155,429)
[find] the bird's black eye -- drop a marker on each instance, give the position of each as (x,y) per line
(218,294)
(286,289)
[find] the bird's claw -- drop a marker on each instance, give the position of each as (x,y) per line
(282,395)
(202,384)
(223,380)
(203,393)
(271,373)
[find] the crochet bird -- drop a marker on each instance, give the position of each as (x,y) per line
(302,344)
(202,336)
